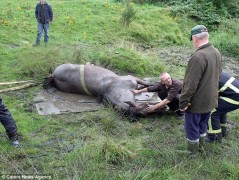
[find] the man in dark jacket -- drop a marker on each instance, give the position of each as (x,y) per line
(44,16)
(168,90)
(9,124)
(200,88)
(228,101)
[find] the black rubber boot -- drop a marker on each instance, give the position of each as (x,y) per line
(193,147)
(201,143)
(214,138)
(224,131)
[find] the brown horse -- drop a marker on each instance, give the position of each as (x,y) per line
(97,81)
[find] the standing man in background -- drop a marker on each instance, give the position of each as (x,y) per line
(200,88)
(44,16)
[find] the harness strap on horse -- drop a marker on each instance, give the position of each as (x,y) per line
(82,80)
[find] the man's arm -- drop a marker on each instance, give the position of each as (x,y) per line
(140,90)
(194,72)
(158,106)
(36,12)
(50,13)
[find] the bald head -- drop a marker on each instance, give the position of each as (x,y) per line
(165,78)
(164,74)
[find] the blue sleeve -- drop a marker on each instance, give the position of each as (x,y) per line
(50,13)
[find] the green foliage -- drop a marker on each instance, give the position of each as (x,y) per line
(227,8)
(27,65)
(120,58)
(215,8)
(128,14)
(115,154)
(225,39)
(204,13)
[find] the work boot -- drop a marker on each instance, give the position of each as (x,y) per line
(201,143)
(192,149)
(214,138)
(224,131)
(14,141)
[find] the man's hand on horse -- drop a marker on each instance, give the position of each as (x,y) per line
(151,108)
(135,91)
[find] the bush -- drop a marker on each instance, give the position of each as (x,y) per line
(207,12)
(128,15)
(204,13)
(225,38)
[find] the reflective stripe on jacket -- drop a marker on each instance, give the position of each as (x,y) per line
(229,88)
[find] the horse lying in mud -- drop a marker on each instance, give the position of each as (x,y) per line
(97,81)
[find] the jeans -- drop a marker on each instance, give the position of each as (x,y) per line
(40,28)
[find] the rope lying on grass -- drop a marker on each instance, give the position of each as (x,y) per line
(27,84)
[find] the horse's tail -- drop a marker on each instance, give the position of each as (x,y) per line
(49,81)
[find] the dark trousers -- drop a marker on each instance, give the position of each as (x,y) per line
(7,121)
(195,124)
(218,117)
(174,104)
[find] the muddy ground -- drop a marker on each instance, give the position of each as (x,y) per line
(180,56)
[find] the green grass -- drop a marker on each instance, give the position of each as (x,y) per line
(103,145)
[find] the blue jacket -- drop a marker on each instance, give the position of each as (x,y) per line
(48,13)
(229,88)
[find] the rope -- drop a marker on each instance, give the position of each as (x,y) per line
(29,84)
(15,82)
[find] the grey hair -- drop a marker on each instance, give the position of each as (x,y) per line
(202,35)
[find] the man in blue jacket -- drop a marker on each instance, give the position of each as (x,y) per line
(44,16)
(228,101)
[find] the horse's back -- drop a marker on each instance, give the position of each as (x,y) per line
(82,79)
